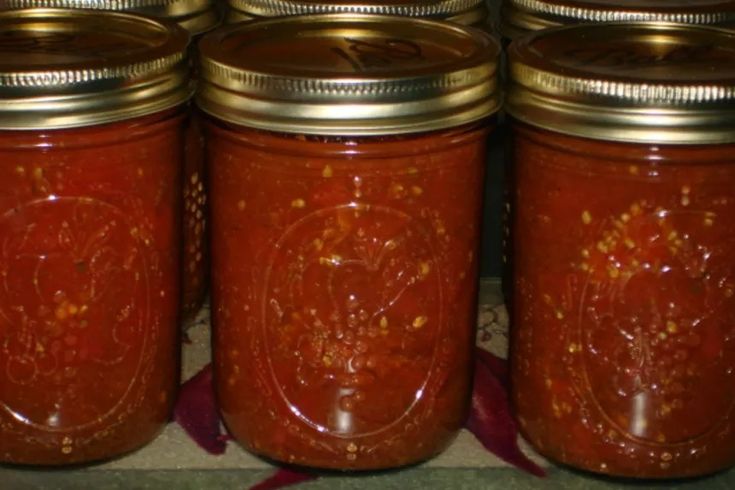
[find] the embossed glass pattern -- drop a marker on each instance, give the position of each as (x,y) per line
(623,351)
(344,284)
(89,232)
(624,339)
(197,17)
(195,255)
(345,232)
(89,288)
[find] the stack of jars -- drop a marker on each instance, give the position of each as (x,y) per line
(345,155)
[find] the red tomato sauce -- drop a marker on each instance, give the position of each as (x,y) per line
(624,303)
(89,273)
(195,258)
(195,251)
(344,291)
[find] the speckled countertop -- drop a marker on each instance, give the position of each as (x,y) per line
(173,462)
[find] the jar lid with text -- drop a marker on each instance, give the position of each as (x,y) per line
(466,12)
(64,68)
(196,16)
(349,74)
(645,82)
(521,16)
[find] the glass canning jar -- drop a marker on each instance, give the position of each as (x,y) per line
(466,12)
(519,17)
(197,17)
(91,138)
(623,345)
(346,156)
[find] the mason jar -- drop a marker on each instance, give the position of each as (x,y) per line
(197,17)
(92,108)
(346,156)
(623,346)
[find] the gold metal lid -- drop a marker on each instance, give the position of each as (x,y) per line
(196,16)
(644,82)
(521,16)
(70,68)
(348,74)
(466,12)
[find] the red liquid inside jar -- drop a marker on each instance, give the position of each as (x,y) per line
(195,255)
(624,345)
(195,250)
(89,269)
(344,291)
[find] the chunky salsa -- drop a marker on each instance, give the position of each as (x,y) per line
(89,288)
(195,253)
(196,17)
(345,156)
(624,338)
(344,285)
(91,150)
